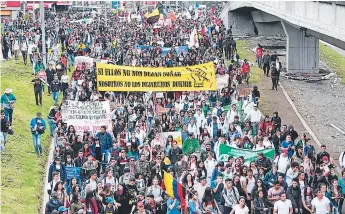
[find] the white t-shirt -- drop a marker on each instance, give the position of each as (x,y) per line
(320,205)
(239,210)
(283,207)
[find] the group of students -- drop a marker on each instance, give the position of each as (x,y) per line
(122,170)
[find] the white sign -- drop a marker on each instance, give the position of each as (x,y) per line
(222,81)
(86,115)
(80,59)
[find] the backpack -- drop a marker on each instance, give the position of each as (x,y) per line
(225,193)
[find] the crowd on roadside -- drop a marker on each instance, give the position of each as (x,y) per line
(122,169)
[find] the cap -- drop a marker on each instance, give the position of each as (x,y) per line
(255,105)
(318,170)
(62,209)
(150,195)
(128,144)
(110,200)
(284,150)
(58,158)
(202,178)
(325,158)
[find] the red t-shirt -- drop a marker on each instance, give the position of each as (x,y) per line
(245,68)
(259,52)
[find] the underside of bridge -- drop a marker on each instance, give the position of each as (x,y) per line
(302,46)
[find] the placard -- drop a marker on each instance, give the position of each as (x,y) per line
(73,172)
(86,115)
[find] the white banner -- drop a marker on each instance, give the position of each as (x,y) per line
(222,81)
(80,59)
(86,115)
(177,136)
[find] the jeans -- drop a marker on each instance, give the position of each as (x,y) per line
(51,126)
(266,69)
(55,95)
(38,94)
(36,138)
(3,139)
(70,60)
(227,210)
(25,56)
(8,113)
(259,61)
(106,154)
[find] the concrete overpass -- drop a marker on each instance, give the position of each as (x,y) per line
(302,22)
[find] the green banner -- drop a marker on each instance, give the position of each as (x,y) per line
(249,155)
(227,108)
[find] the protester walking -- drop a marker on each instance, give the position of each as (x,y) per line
(8,103)
(37,126)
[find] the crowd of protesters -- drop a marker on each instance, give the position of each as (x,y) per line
(122,169)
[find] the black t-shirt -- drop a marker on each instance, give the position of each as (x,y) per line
(37,85)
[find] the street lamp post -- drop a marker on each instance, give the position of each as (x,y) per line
(43,28)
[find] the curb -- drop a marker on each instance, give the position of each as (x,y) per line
(50,158)
(305,125)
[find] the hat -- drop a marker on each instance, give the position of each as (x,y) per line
(255,105)
(318,170)
(209,112)
(128,144)
(62,209)
(8,90)
(110,200)
(208,143)
(202,178)
(150,195)
(58,158)
(284,150)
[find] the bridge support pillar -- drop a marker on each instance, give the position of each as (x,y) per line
(302,50)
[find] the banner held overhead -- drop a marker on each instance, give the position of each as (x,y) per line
(126,78)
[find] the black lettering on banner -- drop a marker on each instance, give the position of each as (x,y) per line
(136,84)
(126,73)
(172,74)
(127,84)
(110,84)
(112,72)
(155,84)
(152,74)
(182,84)
(137,73)
(100,71)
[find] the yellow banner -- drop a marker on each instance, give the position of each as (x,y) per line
(126,78)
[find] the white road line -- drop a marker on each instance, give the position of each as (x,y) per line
(311,133)
(337,128)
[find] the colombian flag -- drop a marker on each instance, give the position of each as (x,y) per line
(173,188)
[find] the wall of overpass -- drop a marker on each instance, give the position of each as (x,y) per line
(302,22)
